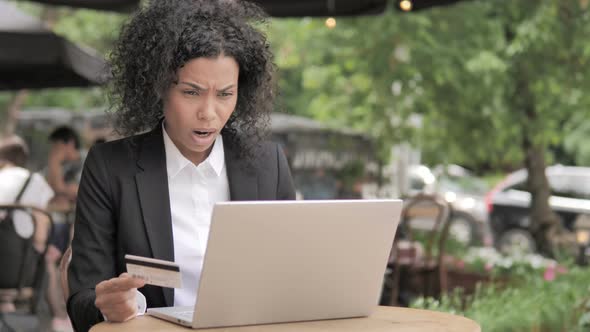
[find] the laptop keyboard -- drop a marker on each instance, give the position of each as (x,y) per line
(186,315)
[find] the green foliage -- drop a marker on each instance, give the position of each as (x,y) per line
(453,247)
(76,99)
(576,139)
(90,28)
(532,305)
(458,66)
(95,29)
(351,173)
(326,76)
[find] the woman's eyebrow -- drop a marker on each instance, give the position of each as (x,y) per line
(227,87)
(195,86)
(198,87)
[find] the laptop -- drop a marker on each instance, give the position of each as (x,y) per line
(288,261)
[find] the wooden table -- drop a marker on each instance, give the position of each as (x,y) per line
(383,319)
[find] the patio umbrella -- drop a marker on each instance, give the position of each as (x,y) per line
(33,57)
(278,8)
(115,5)
(281,8)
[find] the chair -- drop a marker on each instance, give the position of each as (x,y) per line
(412,266)
(22,277)
(63,269)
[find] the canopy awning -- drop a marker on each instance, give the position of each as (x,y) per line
(33,57)
(278,8)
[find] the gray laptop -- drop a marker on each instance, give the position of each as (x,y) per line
(272,262)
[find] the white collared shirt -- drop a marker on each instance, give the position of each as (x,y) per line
(193,192)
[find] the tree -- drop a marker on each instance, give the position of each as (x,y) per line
(531,78)
(545,63)
(576,139)
(495,82)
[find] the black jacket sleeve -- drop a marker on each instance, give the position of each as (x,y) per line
(93,245)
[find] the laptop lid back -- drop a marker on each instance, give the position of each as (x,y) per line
(270,262)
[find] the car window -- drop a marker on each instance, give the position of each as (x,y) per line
(562,185)
(521,186)
(462,184)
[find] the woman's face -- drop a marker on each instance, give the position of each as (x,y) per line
(197,107)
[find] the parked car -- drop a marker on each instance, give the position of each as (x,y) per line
(464,192)
(508,204)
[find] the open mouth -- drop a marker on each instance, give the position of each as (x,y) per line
(202,133)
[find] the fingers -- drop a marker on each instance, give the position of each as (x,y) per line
(116,297)
(121,312)
(119,284)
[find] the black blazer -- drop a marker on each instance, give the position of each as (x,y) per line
(123,208)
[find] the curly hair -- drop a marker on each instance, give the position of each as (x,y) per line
(162,37)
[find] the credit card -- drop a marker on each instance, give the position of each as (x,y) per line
(156,272)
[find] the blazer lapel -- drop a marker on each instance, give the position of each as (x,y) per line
(243,181)
(152,186)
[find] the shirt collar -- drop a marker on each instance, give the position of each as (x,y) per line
(175,161)
(217,156)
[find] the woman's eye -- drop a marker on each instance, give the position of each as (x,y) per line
(191,92)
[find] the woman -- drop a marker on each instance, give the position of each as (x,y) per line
(200,76)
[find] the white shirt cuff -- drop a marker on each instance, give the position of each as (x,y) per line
(141,305)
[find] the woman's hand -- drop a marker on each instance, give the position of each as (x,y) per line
(116,297)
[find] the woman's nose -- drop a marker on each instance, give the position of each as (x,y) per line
(207,110)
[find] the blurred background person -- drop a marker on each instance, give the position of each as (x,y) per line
(16,180)
(63,162)
(63,168)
